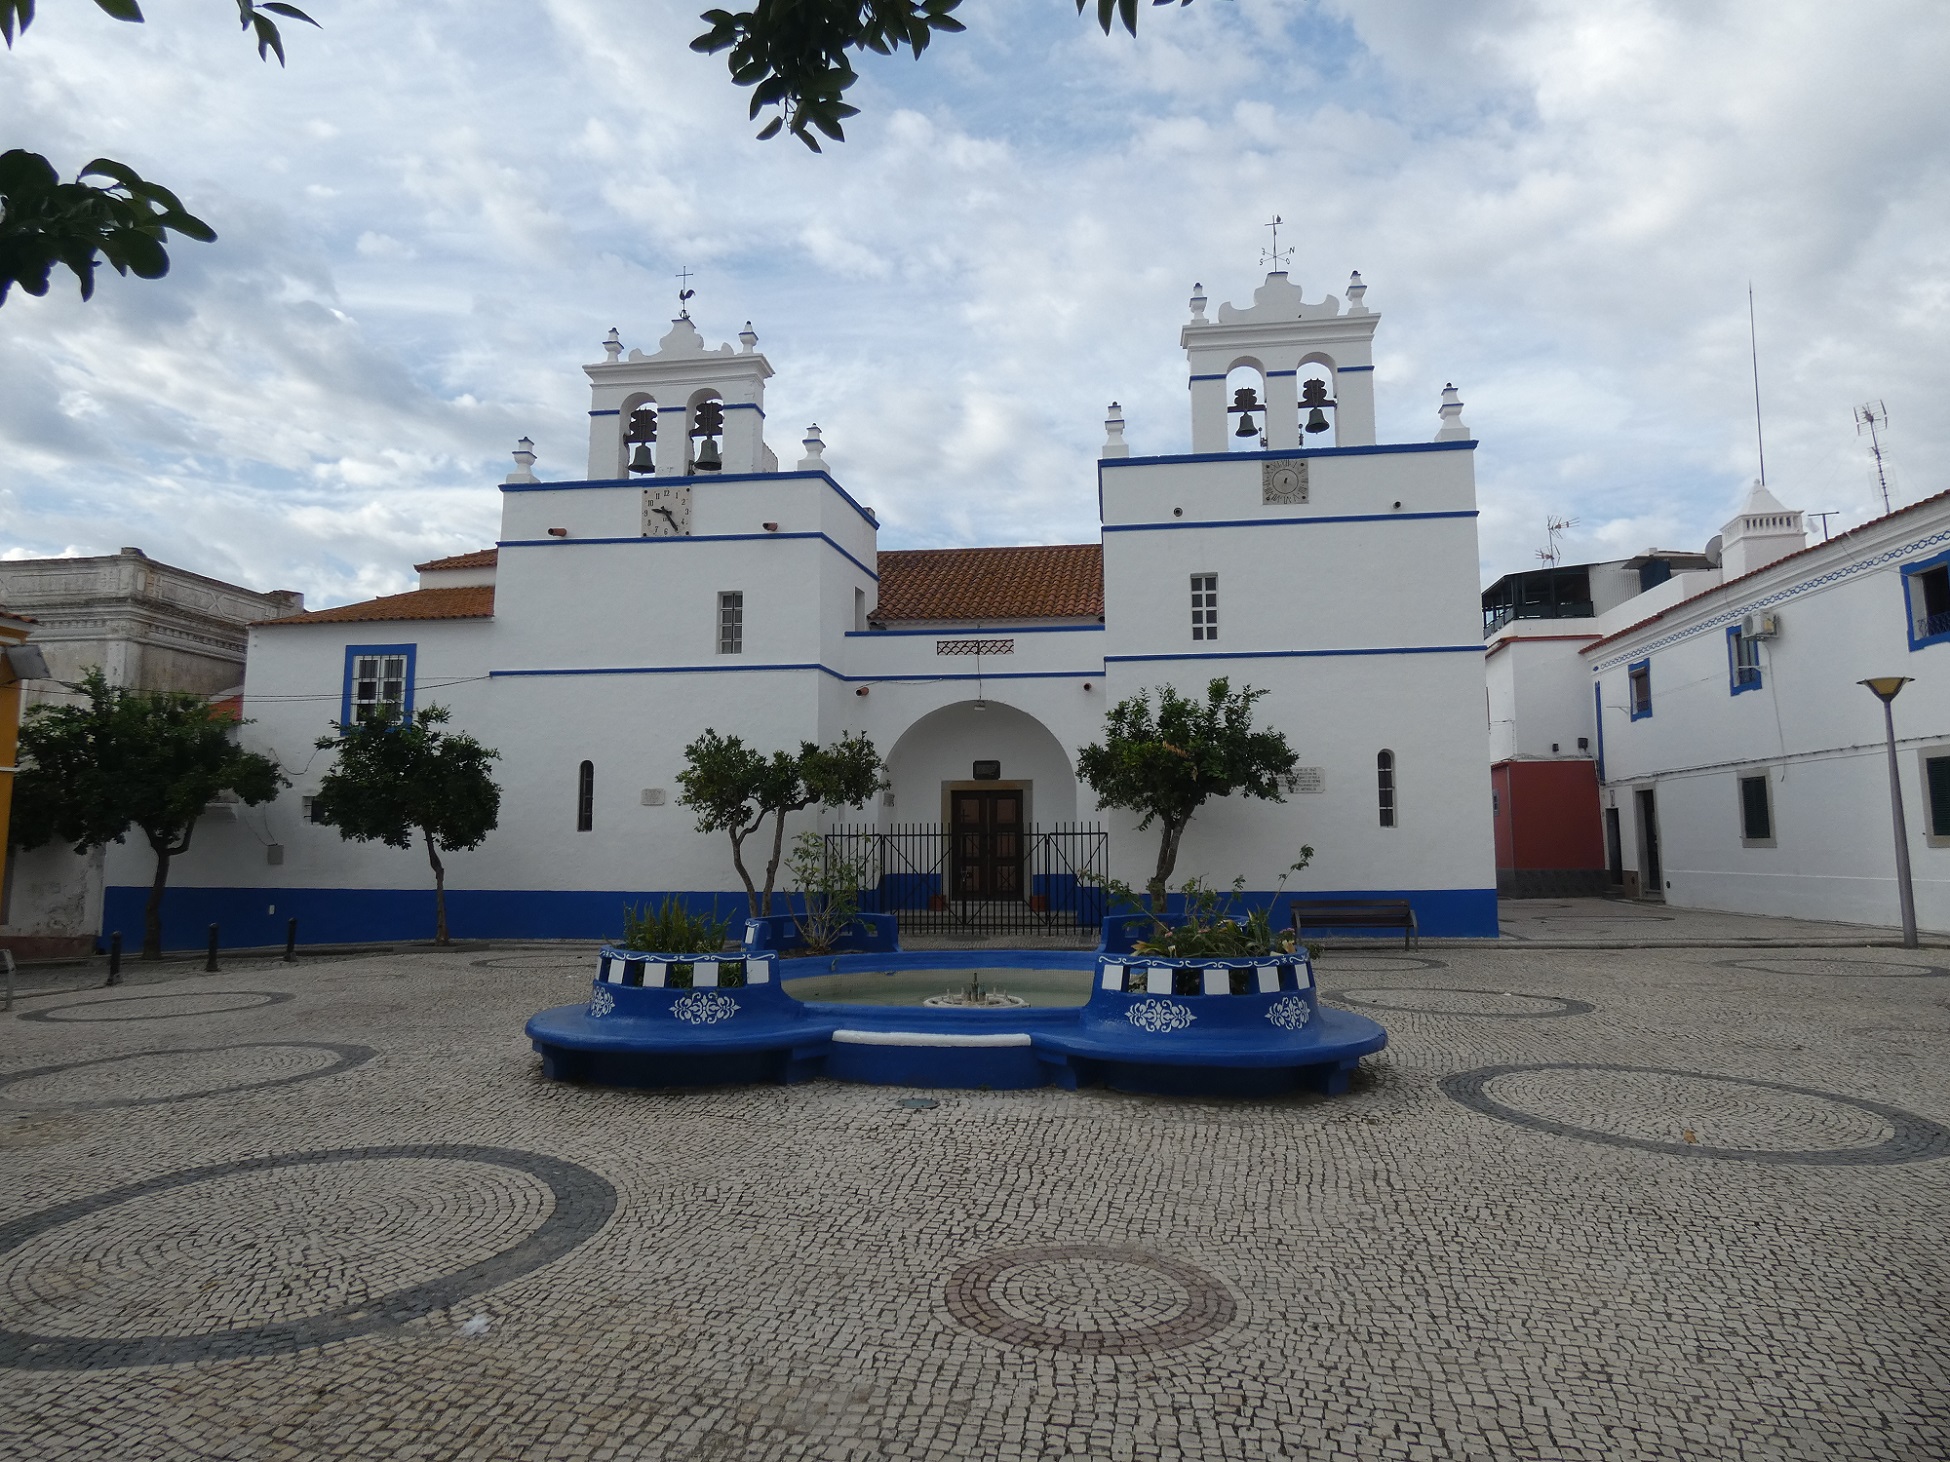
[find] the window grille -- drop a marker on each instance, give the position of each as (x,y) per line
(586,797)
(1384,774)
(378,687)
(1205,606)
(731,623)
(1756,816)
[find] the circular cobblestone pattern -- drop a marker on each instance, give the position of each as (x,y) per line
(1089,1298)
(1380,964)
(174,1006)
(1698,1114)
(312,1247)
(1454,1000)
(1840,966)
(551,962)
(151,1078)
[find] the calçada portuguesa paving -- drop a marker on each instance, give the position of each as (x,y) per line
(1591,1203)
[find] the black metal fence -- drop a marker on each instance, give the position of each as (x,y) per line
(913,871)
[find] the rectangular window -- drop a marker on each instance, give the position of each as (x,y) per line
(1205,606)
(1936,780)
(860,610)
(1927,587)
(586,797)
(731,623)
(378,684)
(1384,771)
(1638,679)
(1756,815)
(1743,661)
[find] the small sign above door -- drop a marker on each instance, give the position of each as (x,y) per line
(988,771)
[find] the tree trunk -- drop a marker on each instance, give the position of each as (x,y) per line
(738,862)
(772,868)
(439,892)
(1167,861)
(152,915)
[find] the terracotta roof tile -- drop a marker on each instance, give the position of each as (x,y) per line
(1064,581)
(480,558)
(474,601)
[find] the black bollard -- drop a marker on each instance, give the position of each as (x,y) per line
(115,958)
(291,941)
(210,963)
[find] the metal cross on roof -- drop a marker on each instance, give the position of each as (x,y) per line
(1276,255)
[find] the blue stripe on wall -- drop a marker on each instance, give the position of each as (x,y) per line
(394,915)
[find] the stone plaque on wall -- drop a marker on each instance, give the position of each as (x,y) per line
(1310,779)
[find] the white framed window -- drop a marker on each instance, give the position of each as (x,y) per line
(1756,811)
(1384,776)
(731,622)
(1205,606)
(1936,795)
(378,684)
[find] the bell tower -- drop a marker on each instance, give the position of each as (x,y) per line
(681,411)
(1279,335)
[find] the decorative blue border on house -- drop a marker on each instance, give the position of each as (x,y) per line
(1598,717)
(1765,601)
(600,483)
(688,538)
(1302,654)
(1281,522)
(1910,571)
(1631,700)
(352,652)
(1286,454)
(1736,685)
(893,679)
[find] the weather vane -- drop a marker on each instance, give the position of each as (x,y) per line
(1276,254)
(684,293)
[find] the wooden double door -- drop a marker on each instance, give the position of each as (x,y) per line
(987,844)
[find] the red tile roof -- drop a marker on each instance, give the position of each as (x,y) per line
(474,601)
(1064,581)
(1632,629)
(480,558)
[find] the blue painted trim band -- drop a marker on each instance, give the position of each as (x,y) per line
(1282,373)
(611,412)
(743,406)
(895,679)
(1287,453)
(1281,522)
(1302,654)
(597,484)
(1344,370)
(688,538)
(1208,378)
(1032,629)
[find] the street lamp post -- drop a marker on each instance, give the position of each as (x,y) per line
(1884,688)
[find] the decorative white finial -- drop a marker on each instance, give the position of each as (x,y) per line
(1114,443)
(815,459)
(748,338)
(1198,304)
(613,346)
(1453,429)
(1356,292)
(525,458)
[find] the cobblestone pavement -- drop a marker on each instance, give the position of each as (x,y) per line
(1590,1204)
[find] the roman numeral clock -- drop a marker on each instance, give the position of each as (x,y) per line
(666,512)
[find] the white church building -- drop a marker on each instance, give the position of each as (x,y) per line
(690,580)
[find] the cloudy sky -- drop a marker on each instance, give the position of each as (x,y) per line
(430,219)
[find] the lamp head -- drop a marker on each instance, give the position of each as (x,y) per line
(1884,687)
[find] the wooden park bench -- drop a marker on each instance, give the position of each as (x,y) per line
(1311,916)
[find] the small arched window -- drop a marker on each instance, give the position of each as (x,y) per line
(1384,777)
(586,797)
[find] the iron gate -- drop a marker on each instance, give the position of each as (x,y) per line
(919,872)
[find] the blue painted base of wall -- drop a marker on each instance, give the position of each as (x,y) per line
(256,916)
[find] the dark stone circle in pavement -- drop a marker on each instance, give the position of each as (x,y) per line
(1626,1105)
(260,1072)
(1839,966)
(1089,1298)
(1473,1004)
(1341,961)
(581,1203)
(198,1000)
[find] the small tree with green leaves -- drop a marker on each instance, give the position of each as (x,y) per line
(1165,765)
(733,788)
(398,778)
(152,760)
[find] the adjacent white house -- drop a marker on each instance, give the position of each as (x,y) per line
(692,581)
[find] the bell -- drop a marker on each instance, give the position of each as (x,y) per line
(708,459)
(640,459)
(1246,427)
(1317,420)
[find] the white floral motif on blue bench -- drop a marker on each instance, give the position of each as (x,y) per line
(704,1007)
(1290,1013)
(1159,1016)
(601,1003)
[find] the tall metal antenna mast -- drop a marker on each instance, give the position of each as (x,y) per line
(1874,415)
(1753,346)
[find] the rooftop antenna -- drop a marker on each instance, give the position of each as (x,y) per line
(1875,416)
(1276,255)
(1753,347)
(1831,513)
(1551,554)
(684,293)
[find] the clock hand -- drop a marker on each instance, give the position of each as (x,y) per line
(667,515)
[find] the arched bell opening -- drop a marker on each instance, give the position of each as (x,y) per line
(705,438)
(1314,384)
(639,421)
(1246,407)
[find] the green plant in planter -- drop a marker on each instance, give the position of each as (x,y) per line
(828,882)
(1209,928)
(671,928)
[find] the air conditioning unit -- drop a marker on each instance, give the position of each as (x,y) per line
(1762,626)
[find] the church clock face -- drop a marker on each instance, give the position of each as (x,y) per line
(666,512)
(1284,483)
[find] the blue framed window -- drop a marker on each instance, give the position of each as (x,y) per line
(1926,593)
(1743,661)
(1638,688)
(378,683)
